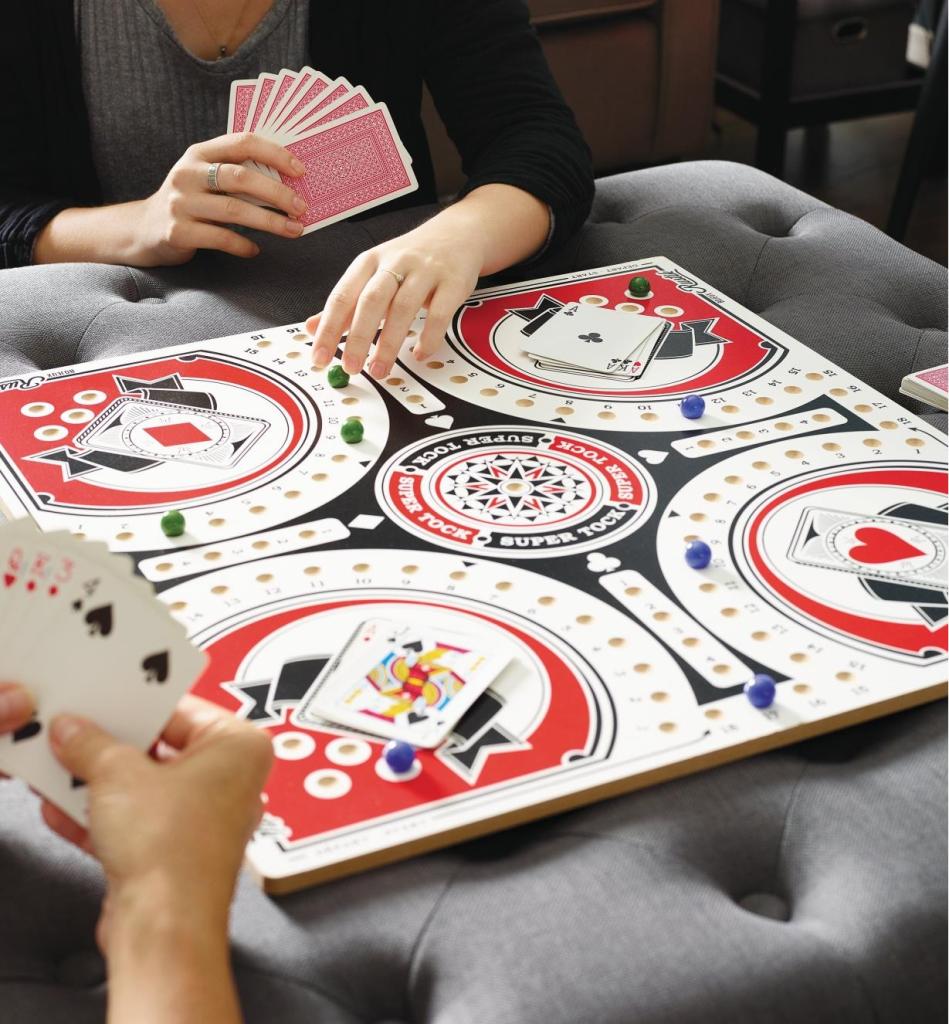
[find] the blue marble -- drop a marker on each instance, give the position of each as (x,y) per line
(697,554)
(761,690)
(399,755)
(692,407)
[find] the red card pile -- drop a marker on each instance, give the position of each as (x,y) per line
(348,144)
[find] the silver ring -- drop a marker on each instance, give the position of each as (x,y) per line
(212,179)
(398,277)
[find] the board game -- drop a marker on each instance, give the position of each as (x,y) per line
(544,509)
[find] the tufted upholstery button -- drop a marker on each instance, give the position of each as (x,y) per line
(766,904)
(83,969)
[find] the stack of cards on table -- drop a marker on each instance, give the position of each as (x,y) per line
(402,682)
(88,638)
(929,386)
(595,341)
(348,144)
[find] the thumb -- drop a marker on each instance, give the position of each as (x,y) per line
(16,707)
(81,747)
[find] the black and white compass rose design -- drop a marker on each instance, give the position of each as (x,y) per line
(516,492)
(516,488)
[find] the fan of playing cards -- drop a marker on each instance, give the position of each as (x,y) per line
(85,637)
(592,341)
(348,144)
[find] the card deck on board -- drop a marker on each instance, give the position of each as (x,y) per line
(403,682)
(84,636)
(930,386)
(594,338)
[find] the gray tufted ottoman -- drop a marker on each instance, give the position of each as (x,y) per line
(806,885)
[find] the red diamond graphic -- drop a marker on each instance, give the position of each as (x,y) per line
(176,434)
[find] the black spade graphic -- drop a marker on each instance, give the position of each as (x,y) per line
(99,620)
(155,667)
(27,732)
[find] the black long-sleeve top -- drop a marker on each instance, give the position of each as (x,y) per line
(480,59)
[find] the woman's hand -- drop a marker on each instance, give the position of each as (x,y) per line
(436,266)
(439,266)
(184,215)
(171,834)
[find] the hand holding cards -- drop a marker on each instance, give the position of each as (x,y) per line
(402,682)
(348,144)
(84,637)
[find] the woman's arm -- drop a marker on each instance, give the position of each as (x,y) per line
(488,76)
(492,227)
(530,184)
(170,872)
(170,856)
(168,960)
(183,215)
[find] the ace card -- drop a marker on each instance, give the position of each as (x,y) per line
(596,339)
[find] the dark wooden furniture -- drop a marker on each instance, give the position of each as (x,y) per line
(771,103)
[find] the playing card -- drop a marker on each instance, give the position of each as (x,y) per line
(929,386)
(265,86)
(592,337)
(630,368)
(301,81)
(285,81)
(241,98)
(89,640)
(351,165)
(403,682)
(318,88)
(332,108)
(888,548)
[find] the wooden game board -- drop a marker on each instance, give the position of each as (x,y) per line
(824,504)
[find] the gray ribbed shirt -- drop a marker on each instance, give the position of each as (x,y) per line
(149,99)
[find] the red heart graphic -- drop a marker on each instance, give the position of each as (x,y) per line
(878,546)
(9,579)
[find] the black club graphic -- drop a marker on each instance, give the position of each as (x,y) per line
(591,337)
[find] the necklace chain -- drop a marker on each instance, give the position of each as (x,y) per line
(222,48)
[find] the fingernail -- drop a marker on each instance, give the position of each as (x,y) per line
(299,205)
(378,369)
(321,358)
(351,364)
(296,166)
(64,728)
(294,227)
(15,704)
